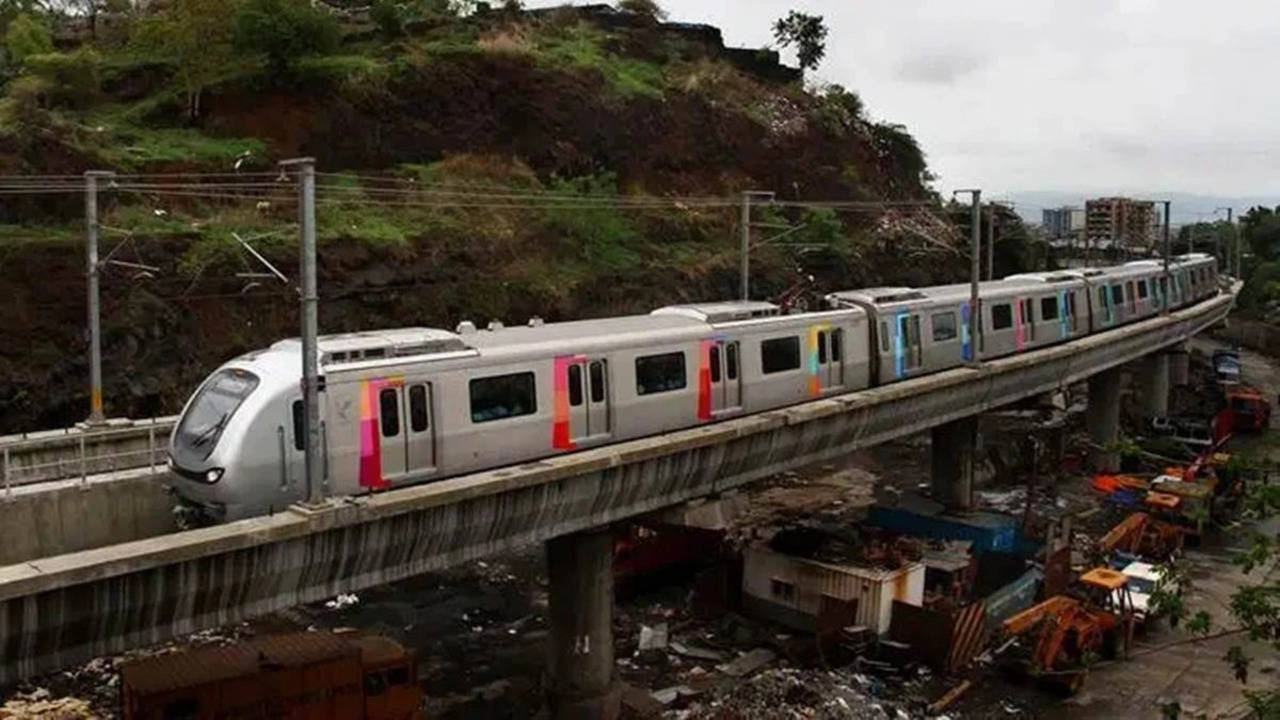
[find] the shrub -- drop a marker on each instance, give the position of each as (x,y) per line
(645,8)
(25,37)
(71,78)
(282,31)
(389,16)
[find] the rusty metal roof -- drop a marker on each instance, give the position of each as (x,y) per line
(163,673)
(377,650)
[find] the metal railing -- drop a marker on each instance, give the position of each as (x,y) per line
(81,453)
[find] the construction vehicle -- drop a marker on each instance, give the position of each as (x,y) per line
(1057,639)
(320,675)
(1143,535)
(1250,409)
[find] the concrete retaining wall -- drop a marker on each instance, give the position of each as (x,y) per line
(66,516)
(58,611)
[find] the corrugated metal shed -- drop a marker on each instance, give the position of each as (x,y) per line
(789,589)
(987,530)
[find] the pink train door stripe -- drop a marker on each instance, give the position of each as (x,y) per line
(1019,337)
(561,428)
(705,348)
(370,445)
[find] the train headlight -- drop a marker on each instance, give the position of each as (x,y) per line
(213,475)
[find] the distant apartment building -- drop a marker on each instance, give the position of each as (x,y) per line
(1118,222)
(1062,225)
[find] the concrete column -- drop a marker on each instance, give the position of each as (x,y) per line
(1155,385)
(1180,366)
(1103,419)
(580,667)
(952,461)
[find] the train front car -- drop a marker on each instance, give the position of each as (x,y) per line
(224,451)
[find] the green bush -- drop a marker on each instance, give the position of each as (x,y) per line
(71,78)
(25,37)
(389,16)
(282,31)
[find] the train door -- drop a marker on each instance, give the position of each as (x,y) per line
(907,343)
(391,432)
(726,376)
(420,441)
(588,391)
(831,357)
(292,438)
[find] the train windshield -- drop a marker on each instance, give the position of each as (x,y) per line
(203,424)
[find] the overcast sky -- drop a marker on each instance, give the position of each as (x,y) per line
(1135,96)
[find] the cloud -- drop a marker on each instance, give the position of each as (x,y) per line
(937,68)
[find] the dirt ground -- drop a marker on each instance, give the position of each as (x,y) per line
(479,630)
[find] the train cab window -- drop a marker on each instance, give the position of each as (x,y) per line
(1049,308)
(419,418)
(299,426)
(597,381)
(375,683)
(780,355)
(837,337)
(575,385)
(1001,316)
(659,373)
(1142,289)
(389,411)
(715,365)
(1117,295)
(884,337)
(181,709)
(503,396)
(944,326)
(822,347)
(731,360)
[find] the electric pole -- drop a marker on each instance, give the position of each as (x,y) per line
(317,487)
(1164,303)
(991,243)
(744,269)
(96,416)
(975,269)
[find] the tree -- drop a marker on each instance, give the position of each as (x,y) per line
(195,35)
(25,37)
(807,32)
(645,8)
(389,16)
(283,31)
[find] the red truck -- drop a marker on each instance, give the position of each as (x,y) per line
(313,675)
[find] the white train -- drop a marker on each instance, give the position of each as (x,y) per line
(414,405)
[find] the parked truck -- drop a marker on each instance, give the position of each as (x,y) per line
(314,675)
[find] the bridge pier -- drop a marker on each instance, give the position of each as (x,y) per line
(1103,419)
(952,449)
(1179,366)
(1155,385)
(580,669)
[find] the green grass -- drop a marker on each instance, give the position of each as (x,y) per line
(583,47)
(134,147)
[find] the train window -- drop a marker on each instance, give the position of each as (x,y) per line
(659,373)
(1128,290)
(398,676)
(389,411)
(503,396)
(575,385)
(597,381)
(715,364)
(1164,287)
(299,426)
(1142,289)
(1001,317)
(780,354)
(1049,308)
(418,415)
(1102,296)
(731,360)
(822,347)
(375,683)
(375,353)
(837,337)
(182,709)
(944,327)
(884,337)
(1117,294)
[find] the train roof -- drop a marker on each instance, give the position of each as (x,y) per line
(165,673)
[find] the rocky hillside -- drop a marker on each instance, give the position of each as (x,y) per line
(564,163)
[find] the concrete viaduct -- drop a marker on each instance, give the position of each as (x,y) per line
(58,611)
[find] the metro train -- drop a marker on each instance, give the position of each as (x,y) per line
(413,405)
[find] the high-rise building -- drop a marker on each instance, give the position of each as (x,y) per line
(1063,226)
(1119,222)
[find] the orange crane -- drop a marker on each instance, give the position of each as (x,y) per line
(1069,630)
(1141,534)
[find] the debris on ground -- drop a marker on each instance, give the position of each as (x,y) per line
(39,704)
(343,600)
(786,693)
